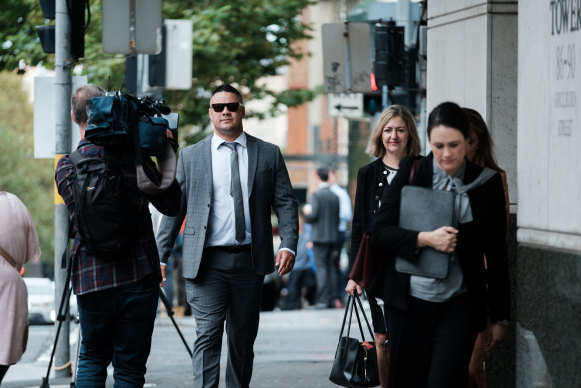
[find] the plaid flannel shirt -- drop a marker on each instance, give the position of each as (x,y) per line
(91,273)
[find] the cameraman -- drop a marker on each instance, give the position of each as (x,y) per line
(117,298)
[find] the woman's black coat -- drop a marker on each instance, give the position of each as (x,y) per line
(484,236)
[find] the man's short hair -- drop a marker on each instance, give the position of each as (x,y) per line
(323,173)
(228,89)
(79,101)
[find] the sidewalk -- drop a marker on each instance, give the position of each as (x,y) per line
(293,349)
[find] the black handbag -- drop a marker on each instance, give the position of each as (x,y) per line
(355,363)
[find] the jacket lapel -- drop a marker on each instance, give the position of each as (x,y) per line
(252,149)
(205,158)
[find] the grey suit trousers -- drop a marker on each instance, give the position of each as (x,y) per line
(326,272)
(226,288)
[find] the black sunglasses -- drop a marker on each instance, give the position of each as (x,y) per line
(232,106)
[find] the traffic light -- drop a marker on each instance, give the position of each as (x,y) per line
(46,33)
(372,103)
(48,8)
(389,54)
(77,16)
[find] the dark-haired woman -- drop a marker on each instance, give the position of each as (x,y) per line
(479,150)
(394,136)
(432,322)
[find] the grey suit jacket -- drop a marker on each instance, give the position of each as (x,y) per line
(269,188)
(324,216)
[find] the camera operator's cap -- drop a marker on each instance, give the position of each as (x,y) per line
(167,165)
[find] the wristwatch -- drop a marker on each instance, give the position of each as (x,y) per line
(504,322)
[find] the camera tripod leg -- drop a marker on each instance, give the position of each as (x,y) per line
(78,352)
(170,313)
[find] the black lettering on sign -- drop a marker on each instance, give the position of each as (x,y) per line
(565,16)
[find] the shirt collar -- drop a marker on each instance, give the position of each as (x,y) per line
(217,140)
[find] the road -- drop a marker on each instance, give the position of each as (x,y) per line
(293,349)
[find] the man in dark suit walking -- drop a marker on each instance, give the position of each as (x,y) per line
(231,181)
(324,216)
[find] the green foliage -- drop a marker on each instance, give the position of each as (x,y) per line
(18,38)
(236,42)
(239,43)
(28,178)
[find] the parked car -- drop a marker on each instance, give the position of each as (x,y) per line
(41,308)
(41,304)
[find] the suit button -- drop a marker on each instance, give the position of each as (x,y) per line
(376,197)
(208,205)
(374,212)
(204,227)
(381,184)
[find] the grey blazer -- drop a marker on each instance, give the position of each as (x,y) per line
(324,217)
(269,188)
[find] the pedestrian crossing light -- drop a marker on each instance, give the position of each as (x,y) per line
(371,103)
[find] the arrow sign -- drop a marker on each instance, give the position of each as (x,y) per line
(339,107)
(345,105)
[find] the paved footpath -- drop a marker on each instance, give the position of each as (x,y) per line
(293,349)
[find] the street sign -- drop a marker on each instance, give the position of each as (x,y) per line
(45,116)
(345,105)
(347,57)
(131,27)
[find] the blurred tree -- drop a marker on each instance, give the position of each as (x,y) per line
(28,178)
(235,42)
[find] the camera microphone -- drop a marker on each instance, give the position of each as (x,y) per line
(164,109)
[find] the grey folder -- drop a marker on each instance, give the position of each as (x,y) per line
(423,209)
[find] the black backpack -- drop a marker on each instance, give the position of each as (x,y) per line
(106,215)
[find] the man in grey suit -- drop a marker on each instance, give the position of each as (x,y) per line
(230,181)
(324,216)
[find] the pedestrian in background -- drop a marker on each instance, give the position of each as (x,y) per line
(232,181)
(18,245)
(433,323)
(345,214)
(479,150)
(323,215)
(395,135)
(302,277)
(117,297)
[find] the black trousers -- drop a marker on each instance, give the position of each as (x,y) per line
(3,370)
(431,343)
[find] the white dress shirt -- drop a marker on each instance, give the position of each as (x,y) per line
(345,212)
(222,226)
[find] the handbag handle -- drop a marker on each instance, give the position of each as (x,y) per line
(9,259)
(350,306)
(348,311)
(358,298)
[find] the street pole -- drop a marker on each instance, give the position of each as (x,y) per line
(63,86)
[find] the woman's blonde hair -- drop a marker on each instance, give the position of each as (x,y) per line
(376,147)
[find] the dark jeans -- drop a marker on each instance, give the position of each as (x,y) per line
(299,279)
(342,277)
(116,326)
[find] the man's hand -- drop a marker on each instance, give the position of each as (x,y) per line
(352,287)
(285,261)
(163,278)
(496,335)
